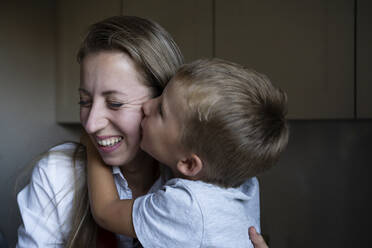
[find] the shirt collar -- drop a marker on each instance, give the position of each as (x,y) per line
(116,170)
(156,186)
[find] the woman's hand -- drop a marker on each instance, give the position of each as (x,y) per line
(256,238)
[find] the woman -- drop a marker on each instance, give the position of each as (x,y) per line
(124,62)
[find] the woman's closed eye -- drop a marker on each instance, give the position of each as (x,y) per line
(114,104)
(84,103)
(110,104)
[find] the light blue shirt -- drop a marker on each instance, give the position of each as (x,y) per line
(188,213)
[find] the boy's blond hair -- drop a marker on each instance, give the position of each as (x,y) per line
(234,119)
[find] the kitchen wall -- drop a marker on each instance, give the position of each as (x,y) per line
(317,196)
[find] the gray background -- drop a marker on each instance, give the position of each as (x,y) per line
(27,96)
(317,196)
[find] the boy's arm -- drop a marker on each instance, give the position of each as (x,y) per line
(108,210)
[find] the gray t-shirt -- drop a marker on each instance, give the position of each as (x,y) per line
(188,213)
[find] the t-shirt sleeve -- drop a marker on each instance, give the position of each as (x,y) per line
(170,217)
(251,187)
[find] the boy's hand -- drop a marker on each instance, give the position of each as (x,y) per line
(92,154)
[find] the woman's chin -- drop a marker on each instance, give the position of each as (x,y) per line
(112,161)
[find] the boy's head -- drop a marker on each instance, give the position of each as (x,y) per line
(217,121)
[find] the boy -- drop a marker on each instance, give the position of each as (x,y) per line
(215,126)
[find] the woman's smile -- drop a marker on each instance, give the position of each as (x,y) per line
(112,92)
(108,143)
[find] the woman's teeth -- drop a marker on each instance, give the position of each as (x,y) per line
(110,141)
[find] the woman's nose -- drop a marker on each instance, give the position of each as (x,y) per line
(96,120)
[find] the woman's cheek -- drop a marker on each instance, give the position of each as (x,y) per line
(132,125)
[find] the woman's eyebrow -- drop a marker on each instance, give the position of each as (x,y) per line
(105,93)
(113,92)
(84,91)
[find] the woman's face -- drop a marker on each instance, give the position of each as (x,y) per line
(111,96)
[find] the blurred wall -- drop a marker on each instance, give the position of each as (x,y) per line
(319,193)
(27,96)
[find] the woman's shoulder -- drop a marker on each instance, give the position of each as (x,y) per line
(62,156)
(45,202)
(68,149)
(59,165)
(64,146)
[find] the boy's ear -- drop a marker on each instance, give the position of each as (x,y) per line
(190,166)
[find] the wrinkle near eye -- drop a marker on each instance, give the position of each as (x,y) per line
(140,100)
(135,103)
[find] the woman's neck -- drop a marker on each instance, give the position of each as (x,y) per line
(141,173)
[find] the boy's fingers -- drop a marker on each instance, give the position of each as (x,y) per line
(256,238)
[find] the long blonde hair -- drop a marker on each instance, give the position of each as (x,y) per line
(157,56)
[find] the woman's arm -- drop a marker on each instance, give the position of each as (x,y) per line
(256,238)
(108,210)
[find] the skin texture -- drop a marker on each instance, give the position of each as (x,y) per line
(108,210)
(162,130)
(161,127)
(111,97)
(256,238)
(112,93)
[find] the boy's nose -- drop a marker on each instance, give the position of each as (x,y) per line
(146,107)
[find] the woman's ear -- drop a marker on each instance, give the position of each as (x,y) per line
(190,166)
